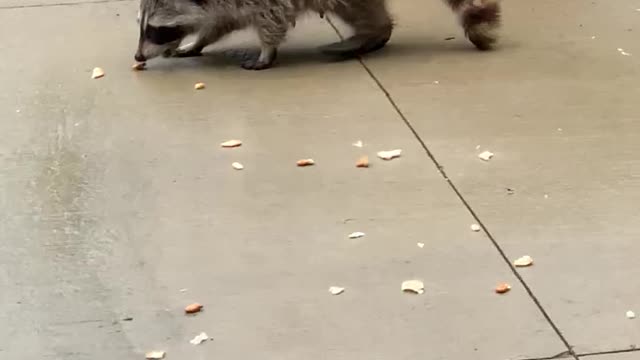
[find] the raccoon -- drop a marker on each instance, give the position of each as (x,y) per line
(165,23)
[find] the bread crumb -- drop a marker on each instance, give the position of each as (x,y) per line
(97,73)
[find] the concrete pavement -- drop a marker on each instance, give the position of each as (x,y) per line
(116,195)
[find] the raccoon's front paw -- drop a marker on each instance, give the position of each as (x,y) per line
(168,53)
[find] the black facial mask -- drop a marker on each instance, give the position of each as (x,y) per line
(163,34)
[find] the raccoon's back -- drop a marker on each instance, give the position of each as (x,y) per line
(289,7)
(296,5)
(323,6)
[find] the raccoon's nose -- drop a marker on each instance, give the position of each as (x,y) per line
(139,57)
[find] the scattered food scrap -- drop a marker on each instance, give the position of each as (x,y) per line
(139,66)
(420,245)
(593,37)
(449,38)
(436,82)
(485,155)
(199,339)
(305,162)
(363,162)
(193,308)
(622,52)
(153,355)
(475,227)
(413,286)
(358,144)
(237,166)
(128,318)
(631,315)
(231,143)
(523,261)
(503,288)
(336,290)
(97,73)
(510,191)
(389,154)
(199,86)
(356,235)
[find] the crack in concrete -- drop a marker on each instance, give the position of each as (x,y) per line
(562,355)
(610,352)
(569,352)
(71,3)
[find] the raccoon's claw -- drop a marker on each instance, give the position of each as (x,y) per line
(255,64)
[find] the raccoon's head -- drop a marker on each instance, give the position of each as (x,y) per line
(164,23)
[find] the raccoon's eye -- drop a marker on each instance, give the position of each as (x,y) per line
(163,34)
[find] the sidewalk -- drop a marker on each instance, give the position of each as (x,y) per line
(116,194)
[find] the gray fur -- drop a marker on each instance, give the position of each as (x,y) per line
(211,20)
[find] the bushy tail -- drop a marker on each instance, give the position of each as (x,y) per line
(480,20)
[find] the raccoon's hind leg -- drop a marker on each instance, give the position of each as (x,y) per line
(480,20)
(272,31)
(372,25)
(263,61)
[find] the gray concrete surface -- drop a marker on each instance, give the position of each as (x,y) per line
(116,194)
(559,110)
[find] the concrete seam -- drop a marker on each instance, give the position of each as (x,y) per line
(465,203)
(10,7)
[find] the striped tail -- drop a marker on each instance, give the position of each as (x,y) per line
(480,20)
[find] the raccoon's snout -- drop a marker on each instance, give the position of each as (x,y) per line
(139,57)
